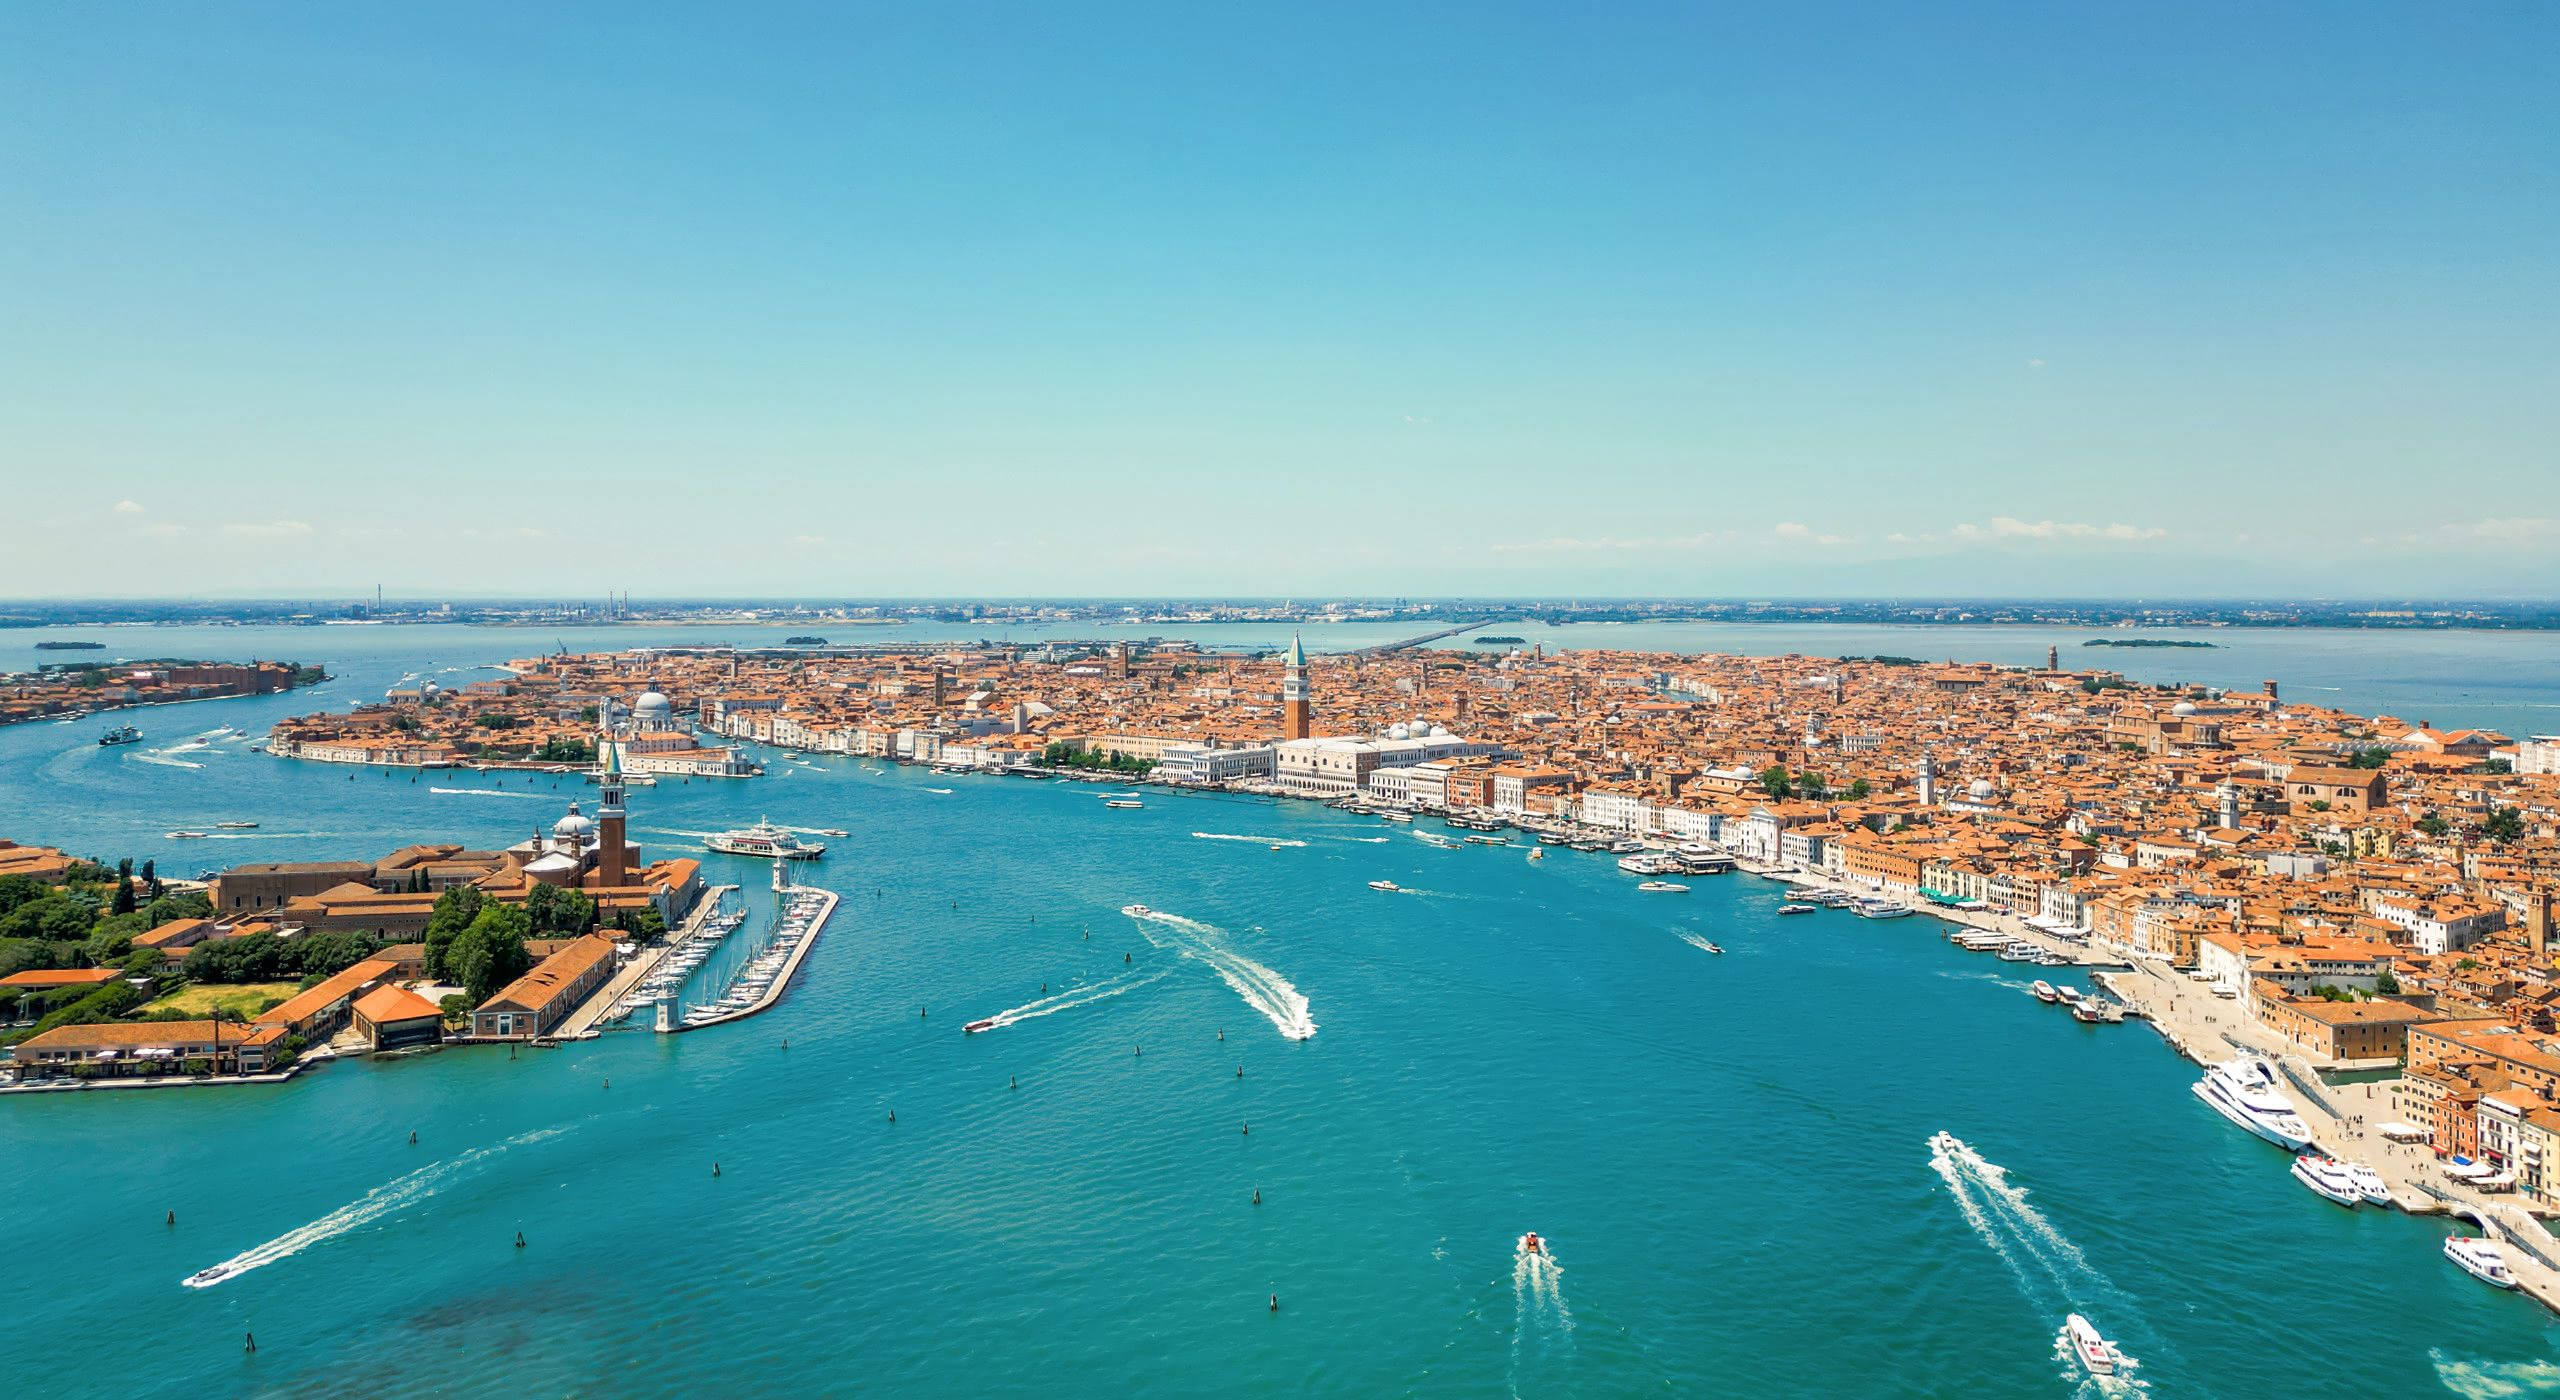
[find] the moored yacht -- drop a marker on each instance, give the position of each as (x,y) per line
(2045,992)
(2369,1183)
(766,840)
(2243,1089)
(1882,909)
(1792,907)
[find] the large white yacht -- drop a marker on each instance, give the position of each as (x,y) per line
(766,840)
(2096,1355)
(2243,1089)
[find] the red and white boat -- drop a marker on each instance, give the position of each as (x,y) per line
(2096,1354)
(1531,1244)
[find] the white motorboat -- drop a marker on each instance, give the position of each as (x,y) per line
(1882,909)
(2328,1177)
(2045,992)
(1136,910)
(1124,802)
(2243,1089)
(2481,1259)
(1794,908)
(2369,1183)
(184,835)
(2096,1355)
(1389,886)
(1663,887)
(2068,996)
(235,826)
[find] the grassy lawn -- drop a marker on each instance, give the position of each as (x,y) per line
(246,998)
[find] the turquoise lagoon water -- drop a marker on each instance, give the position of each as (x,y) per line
(1729,1153)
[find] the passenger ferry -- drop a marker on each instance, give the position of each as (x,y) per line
(235,826)
(2243,1089)
(121,734)
(2480,1259)
(1488,840)
(1124,803)
(1882,909)
(766,840)
(2328,1177)
(1663,887)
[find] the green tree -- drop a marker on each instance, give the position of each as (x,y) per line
(2369,758)
(2434,824)
(124,887)
(2498,765)
(490,953)
(454,911)
(2504,825)
(1773,781)
(151,880)
(644,924)
(1858,790)
(554,910)
(2387,984)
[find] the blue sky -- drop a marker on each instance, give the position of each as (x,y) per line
(1039,299)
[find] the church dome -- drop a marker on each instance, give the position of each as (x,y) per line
(573,824)
(652,703)
(1981,788)
(2183,708)
(1398,731)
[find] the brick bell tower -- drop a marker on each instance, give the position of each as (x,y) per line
(613,858)
(1293,690)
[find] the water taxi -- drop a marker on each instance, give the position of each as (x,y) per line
(2045,992)
(1531,1244)
(1136,910)
(2481,1259)
(1389,886)
(2096,1354)
(1488,840)
(1663,887)
(1398,817)
(184,835)
(1882,909)
(976,1026)
(1791,907)
(235,826)
(1536,854)
(1124,803)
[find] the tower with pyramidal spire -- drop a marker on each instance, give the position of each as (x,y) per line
(613,856)
(1294,719)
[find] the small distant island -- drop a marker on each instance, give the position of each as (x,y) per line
(1500,641)
(804,641)
(2151,642)
(71,646)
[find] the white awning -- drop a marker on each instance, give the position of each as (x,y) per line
(2402,1132)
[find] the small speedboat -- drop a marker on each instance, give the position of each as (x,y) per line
(2044,991)
(1712,947)
(1791,907)
(1136,909)
(2096,1354)
(1124,802)
(235,826)
(2328,1177)
(186,835)
(1389,886)
(206,1278)
(832,831)
(1663,887)
(1531,1244)
(2481,1259)
(976,1026)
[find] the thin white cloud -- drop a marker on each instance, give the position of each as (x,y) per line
(164,530)
(128,507)
(269,530)
(1794,532)
(808,539)
(2009,527)
(1602,544)
(2503,530)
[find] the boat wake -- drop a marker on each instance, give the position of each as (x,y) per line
(1070,999)
(162,759)
(2050,1270)
(2494,1380)
(944,791)
(1264,990)
(490,792)
(1259,840)
(397,1194)
(1702,945)
(1541,1324)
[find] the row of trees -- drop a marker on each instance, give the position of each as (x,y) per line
(263,957)
(1776,781)
(1061,754)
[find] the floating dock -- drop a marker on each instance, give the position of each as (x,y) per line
(828,899)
